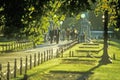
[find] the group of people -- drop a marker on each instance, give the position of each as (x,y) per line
(64,34)
(71,34)
(54,35)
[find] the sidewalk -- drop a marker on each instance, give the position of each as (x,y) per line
(47,45)
(10,57)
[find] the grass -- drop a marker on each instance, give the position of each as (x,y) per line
(79,66)
(107,72)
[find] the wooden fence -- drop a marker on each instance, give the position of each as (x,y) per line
(15,46)
(21,66)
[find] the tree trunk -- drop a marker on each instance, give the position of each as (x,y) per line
(105,57)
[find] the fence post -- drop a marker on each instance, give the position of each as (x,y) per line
(9,46)
(25,75)
(6,48)
(14,45)
(49,54)
(57,53)
(15,67)
(62,52)
(8,71)
(34,59)
(44,56)
(69,53)
(52,54)
(21,46)
(17,46)
(38,58)
(114,56)
(0,71)
(26,65)
(21,66)
(41,58)
(47,57)
(0,67)
(30,61)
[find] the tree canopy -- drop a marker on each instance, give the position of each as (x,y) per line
(30,18)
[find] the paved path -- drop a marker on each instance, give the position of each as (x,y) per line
(48,46)
(10,57)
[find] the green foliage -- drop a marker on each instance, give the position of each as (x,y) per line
(30,18)
(112,7)
(74,7)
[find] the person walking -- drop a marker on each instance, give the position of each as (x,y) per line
(57,32)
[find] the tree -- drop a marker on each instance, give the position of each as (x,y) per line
(25,17)
(106,7)
(13,13)
(117,10)
(74,7)
(2,17)
(19,15)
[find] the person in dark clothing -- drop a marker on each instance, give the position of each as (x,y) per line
(51,34)
(57,32)
(67,33)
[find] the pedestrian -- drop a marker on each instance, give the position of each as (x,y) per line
(51,34)
(57,32)
(67,33)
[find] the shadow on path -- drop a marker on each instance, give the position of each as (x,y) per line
(86,75)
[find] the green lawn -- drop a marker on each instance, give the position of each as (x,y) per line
(80,66)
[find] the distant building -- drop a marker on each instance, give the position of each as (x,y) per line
(100,34)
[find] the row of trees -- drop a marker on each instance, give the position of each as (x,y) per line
(30,18)
(21,18)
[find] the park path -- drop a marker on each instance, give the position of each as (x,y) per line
(10,57)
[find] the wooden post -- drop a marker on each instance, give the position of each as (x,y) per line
(30,62)
(72,53)
(17,45)
(69,53)
(44,56)
(62,52)
(9,45)
(114,57)
(0,71)
(57,53)
(21,66)
(2,49)
(6,48)
(15,68)
(49,54)
(8,71)
(34,59)
(41,58)
(38,58)
(52,54)
(0,67)
(21,45)
(47,57)
(26,64)
(14,45)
